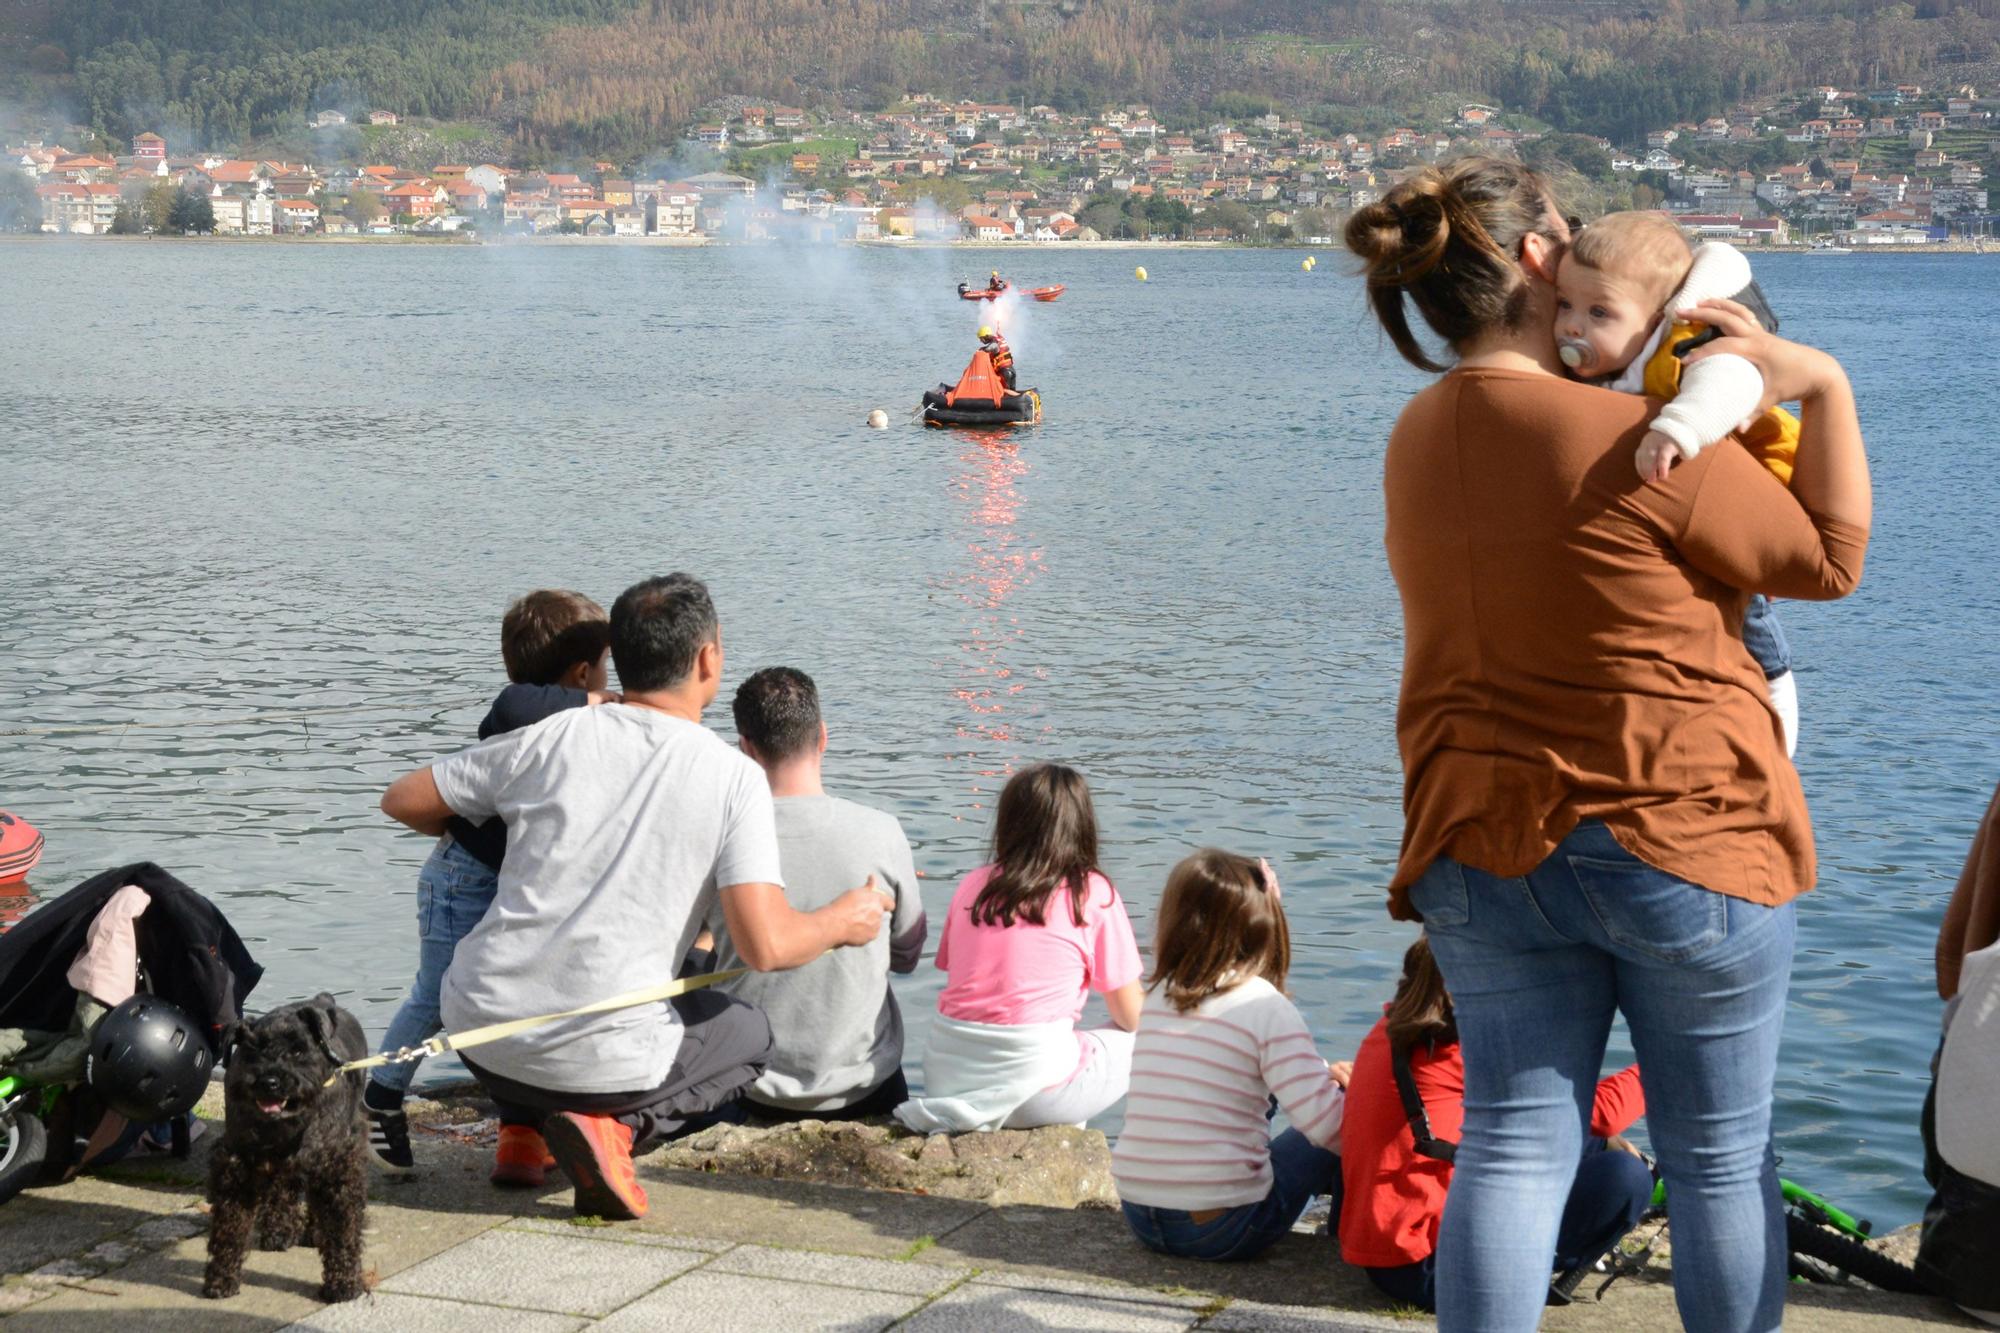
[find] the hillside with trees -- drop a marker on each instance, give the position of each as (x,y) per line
(625,77)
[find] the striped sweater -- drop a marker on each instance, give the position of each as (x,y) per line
(1196,1131)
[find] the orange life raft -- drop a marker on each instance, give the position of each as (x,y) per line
(980,399)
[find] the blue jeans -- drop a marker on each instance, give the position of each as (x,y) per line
(1611,1193)
(1765,637)
(454,889)
(1299,1170)
(1537,966)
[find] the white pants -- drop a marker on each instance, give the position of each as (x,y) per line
(1098,1083)
(1784,689)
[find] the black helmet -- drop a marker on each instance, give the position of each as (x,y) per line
(148,1061)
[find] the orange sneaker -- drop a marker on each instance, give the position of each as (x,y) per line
(595,1152)
(522,1160)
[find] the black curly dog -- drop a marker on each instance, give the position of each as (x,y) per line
(293,1161)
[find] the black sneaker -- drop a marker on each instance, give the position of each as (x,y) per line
(389,1136)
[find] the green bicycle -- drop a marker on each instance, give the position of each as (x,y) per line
(1825,1244)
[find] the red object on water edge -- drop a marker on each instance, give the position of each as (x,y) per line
(986,294)
(20,847)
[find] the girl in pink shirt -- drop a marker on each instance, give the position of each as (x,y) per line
(1026,940)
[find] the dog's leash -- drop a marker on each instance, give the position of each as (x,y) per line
(446,1042)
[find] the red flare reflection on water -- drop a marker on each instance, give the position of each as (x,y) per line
(1000,561)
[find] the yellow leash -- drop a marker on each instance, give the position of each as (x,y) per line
(446,1042)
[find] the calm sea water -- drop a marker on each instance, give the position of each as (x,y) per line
(264,504)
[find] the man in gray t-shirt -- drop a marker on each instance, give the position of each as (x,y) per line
(626,825)
(837,1035)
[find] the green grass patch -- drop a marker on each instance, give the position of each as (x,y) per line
(1292,41)
(592,1222)
(755,161)
(916,1247)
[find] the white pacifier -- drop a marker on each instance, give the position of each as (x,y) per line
(1575,352)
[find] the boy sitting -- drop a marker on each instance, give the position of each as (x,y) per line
(555,646)
(1620,287)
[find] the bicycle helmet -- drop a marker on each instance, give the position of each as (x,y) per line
(148,1061)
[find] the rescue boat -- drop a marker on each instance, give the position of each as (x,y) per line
(966,293)
(980,399)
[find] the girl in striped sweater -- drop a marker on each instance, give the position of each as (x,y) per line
(1220,1047)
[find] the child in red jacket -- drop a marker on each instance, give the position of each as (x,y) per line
(1396,1154)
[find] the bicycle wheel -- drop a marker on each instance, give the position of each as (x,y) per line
(1850,1256)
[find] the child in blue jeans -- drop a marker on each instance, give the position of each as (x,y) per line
(1220,1048)
(555,645)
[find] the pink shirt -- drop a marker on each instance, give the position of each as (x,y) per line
(1017,974)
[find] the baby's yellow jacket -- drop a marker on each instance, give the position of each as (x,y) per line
(1773,437)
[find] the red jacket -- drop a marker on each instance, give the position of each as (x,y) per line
(1394,1197)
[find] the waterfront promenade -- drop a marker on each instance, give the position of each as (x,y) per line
(718,1254)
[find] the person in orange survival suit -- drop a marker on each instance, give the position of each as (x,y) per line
(996,347)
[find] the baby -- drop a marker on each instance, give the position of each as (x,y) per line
(1617,291)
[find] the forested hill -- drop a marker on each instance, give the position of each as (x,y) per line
(624,76)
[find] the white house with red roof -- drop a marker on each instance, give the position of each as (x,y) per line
(294,215)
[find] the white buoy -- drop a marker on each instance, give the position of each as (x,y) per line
(1139,273)
(878,419)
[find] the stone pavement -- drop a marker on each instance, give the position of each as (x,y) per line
(717,1253)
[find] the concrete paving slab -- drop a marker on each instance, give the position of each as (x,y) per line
(1261,1317)
(839,1270)
(390,1312)
(1180,1300)
(533,1271)
(798,1216)
(42,1225)
(619,1231)
(711,1302)
(1011,1310)
(1095,1246)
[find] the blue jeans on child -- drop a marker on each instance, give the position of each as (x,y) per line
(1538,966)
(1299,1170)
(1765,637)
(454,889)
(1609,1197)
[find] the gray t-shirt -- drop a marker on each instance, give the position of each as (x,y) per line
(834,1022)
(621,823)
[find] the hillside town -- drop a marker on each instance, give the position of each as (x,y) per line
(1894,166)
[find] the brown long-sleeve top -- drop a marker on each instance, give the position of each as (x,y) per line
(1972,918)
(1573,637)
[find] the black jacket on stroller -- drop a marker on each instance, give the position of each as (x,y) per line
(191,954)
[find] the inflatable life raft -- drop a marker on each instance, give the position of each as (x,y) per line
(20,848)
(980,399)
(966,293)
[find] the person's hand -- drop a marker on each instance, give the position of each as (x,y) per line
(1656,457)
(1270,879)
(858,913)
(595,697)
(1623,1144)
(1792,371)
(1341,1071)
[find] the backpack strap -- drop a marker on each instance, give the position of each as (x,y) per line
(1427,1144)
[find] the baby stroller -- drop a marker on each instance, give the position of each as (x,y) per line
(128,933)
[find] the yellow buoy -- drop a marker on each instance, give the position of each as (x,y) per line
(1312,261)
(1306,264)
(1139,273)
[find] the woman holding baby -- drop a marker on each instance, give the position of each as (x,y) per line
(1599,813)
